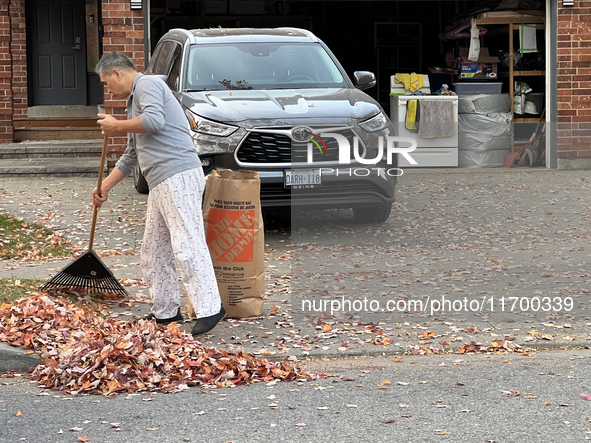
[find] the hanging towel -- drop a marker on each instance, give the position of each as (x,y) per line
(411,116)
(474,51)
(436,119)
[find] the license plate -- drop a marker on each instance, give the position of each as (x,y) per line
(303,178)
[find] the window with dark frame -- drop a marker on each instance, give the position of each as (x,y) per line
(175,69)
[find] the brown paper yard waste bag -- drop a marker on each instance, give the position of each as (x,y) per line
(235,237)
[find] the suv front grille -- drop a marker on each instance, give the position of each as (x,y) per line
(261,147)
(268,147)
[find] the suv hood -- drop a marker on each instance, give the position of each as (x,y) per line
(281,104)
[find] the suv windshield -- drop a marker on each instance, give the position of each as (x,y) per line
(261,66)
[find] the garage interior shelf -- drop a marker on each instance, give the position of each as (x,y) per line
(511,25)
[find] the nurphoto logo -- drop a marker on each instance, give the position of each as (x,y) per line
(390,146)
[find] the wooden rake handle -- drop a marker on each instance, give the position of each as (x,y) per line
(98,189)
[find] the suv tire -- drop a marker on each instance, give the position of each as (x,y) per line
(140,183)
(372,214)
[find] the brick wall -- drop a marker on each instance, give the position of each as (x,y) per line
(5,74)
(18,48)
(123,32)
(13,66)
(574,83)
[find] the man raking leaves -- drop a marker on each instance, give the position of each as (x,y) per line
(159,140)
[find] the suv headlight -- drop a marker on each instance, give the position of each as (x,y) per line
(375,123)
(205,126)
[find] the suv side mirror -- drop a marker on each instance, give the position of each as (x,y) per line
(364,79)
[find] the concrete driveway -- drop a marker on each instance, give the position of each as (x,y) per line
(469,259)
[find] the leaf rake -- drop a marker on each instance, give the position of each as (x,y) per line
(88,273)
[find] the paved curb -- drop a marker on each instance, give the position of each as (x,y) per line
(398,351)
(16,359)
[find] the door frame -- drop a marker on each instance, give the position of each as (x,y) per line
(551,85)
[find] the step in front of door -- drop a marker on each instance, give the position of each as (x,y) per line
(32,149)
(87,167)
(56,129)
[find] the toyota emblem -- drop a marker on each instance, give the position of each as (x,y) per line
(301,133)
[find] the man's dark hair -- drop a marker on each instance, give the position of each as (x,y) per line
(113,60)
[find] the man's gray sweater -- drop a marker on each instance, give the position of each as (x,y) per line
(167,147)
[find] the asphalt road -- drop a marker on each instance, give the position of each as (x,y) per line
(481,398)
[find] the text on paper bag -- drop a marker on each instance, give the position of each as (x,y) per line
(230,235)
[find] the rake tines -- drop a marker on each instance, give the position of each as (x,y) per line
(87,273)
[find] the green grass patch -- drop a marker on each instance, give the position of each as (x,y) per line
(20,239)
(12,289)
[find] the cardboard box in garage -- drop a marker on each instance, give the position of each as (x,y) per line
(485,68)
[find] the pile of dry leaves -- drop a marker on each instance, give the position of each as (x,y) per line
(83,353)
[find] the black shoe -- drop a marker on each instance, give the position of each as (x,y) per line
(166,321)
(206,324)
